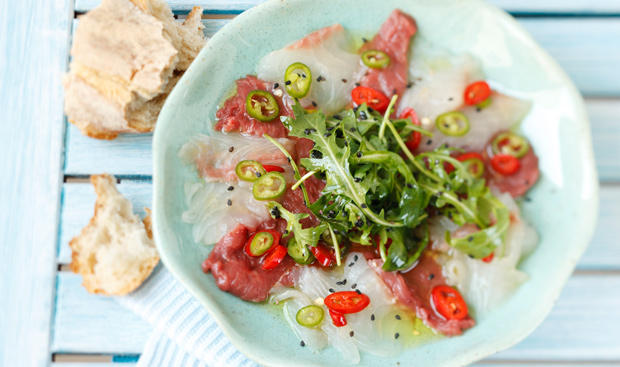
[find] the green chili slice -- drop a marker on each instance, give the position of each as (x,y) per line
(475,167)
(297,80)
(452,123)
(269,186)
(511,144)
(300,253)
(484,104)
(249,170)
(261,242)
(310,316)
(262,105)
(375,59)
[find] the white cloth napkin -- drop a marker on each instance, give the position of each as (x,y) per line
(184,334)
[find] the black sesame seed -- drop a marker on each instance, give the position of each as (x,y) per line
(339,134)
(331,214)
(358,291)
(307,131)
(364,40)
(355,258)
(288,82)
(409,85)
(230,188)
(320,78)
(351,333)
(258,174)
(409,186)
(231,149)
(314,104)
(372,317)
(370,109)
(397,317)
(353,130)
(351,264)
(288,159)
(470,256)
(275,212)
(431,276)
(429,142)
(276,85)
(343,80)
(450,99)
(338,117)
(357,179)
(342,282)
(331,290)
(359,223)
(363,115)
(364,206)
(470,238)
(354,286)
(359,154)
(396,335)
(527,182)
(327,135)
(229,202)
(316,154)
(394,91)
(357,84)
(302,343)
(285,232)
(478,109)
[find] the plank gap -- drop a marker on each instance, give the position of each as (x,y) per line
(77,358)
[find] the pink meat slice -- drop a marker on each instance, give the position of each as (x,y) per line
(413,289)
(520,182)
(232,116)
(393,38)
(316,38)
(238,273)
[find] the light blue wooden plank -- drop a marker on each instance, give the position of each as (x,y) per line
(522,6)
(604,249)
(583,326)
(587,49)
(86,323)
(78,207)
(33,55)
(605,121)
(94,364)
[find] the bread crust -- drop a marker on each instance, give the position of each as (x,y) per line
(113,262)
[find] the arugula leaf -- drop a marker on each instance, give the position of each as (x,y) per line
(405,248)
(304,236)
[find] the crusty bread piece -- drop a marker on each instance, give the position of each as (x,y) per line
(114,253)
(126,57)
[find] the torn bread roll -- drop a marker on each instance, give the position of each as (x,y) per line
(115,252)
(126,58)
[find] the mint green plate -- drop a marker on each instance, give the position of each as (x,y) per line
(563,205)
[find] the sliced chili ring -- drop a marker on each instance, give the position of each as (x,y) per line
(262,105)
(299,252)
(371,97)
(297,80)
(310,316)
(272,168)
(489,258)
(338,319)
(449,303)
(453,123)
(274,257)
(375,59)
(261,242)
(505,164)
(249,170)
(347,302)
(473,162)
(476,92)
(323,255)
(416,137)
(269,186)
(511,144)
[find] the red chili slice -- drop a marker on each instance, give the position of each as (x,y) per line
(338,319)
(449,303)
(416,137)
(274,257)
(476,92)
(272,168)
(505,164)
(347,302)
(488,259)
(373,98)
(323,255)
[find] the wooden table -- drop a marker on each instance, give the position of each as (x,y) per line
(46,317)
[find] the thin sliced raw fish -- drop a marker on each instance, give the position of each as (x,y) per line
(210,214)
(217,155)
(413,289)
(393,38)
(232,116)
(503,113)
(238,273)
(328,54)
(521,181)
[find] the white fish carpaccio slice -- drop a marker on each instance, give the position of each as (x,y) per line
(328,54)
(486,285)
(439,80)
(211,215)
(216,155)
(361,332)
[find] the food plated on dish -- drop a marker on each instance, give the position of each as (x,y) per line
(365,186)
